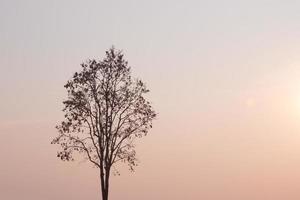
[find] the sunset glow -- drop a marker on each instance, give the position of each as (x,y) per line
(224,78)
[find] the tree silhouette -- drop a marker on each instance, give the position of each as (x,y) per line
(105,112)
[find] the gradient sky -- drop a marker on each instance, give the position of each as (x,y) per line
(224,77)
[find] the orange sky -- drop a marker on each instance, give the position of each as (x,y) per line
(224,78)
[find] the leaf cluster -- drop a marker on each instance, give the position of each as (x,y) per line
(105,111)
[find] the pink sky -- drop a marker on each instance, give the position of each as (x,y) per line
(224,78)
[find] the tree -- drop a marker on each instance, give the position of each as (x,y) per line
(105,111)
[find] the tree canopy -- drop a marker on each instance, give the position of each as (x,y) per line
(105,111)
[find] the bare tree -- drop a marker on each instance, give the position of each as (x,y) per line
(105,112)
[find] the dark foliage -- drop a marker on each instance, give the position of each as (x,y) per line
(104,113)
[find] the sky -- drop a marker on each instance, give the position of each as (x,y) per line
(224,77)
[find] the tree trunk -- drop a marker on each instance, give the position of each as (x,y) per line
(105,195)
(103,191)
(104,177)
(107,183)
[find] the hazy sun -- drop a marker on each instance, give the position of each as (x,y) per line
(250,102)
